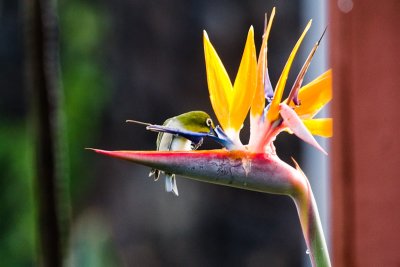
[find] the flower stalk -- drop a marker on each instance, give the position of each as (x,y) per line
(259,172)
(310,222)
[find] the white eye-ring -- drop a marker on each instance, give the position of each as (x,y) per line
(209,122)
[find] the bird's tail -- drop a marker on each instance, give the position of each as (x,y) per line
(170,184)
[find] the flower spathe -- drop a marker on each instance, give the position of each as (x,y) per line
(252,87)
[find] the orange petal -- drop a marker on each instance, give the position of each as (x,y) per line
(322,127)
(314,96)
(245,84)
(273,112)
(258,104)
(219,84)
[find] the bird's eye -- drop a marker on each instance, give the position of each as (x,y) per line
(209,122)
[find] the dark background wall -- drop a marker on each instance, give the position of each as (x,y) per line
(157,65)
(141,60)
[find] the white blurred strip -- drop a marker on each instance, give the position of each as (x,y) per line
(316,164)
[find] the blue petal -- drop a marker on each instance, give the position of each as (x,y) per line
(222,138)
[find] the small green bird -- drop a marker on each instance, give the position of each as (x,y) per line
(193,121)
(184,132)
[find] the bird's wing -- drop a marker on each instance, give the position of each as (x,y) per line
(160,133)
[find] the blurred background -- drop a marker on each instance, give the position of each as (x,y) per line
(109,61)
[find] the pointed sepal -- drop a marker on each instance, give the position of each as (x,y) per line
(219,84)
(245,84)
(263,84)
(273,112)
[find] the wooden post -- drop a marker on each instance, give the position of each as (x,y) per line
(365,56)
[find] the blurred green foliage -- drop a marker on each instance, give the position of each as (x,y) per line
(82,33)
(82,29)
(91,243)
(17,209)
(82,55)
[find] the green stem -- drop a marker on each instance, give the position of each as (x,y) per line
(311,225)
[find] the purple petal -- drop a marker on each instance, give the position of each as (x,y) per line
(268,90)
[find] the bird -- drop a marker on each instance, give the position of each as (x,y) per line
(175,135)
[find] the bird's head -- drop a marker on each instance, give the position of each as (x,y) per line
(196,121)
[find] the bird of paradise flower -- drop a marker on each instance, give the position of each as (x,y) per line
(252,88)
(255,166)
